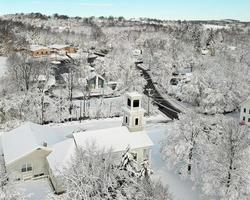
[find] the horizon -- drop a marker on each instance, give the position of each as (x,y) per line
(193,10)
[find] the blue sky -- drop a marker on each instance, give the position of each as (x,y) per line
(162,9)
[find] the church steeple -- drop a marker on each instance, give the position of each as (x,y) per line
(133,113)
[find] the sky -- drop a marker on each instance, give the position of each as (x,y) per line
(160,9)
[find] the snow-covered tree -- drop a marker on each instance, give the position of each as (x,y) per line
(183,146)
(94,175)
(226,172)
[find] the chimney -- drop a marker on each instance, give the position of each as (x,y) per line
(45,144)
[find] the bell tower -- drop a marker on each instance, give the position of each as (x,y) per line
(133,113)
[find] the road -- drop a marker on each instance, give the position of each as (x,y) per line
(164,105)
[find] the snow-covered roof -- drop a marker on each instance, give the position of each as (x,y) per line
(58,46)
(61,155)
(134,95)
(93,75)
(29,137)
(37,47)
(117,139)
(19,142)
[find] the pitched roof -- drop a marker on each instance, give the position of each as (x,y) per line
(61,155)
(37,47)
(93,75)
(58,46)
(117,139)
(27,138)
(19,142)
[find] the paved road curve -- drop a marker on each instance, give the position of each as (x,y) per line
(164,105)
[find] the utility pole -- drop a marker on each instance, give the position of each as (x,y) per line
(149,90)
(42,102)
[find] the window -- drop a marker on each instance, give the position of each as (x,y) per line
(126,119)
(248,119)
(134,155)
(244,118)
(245,110)
(129,102)
(26,167)
(145,153)
(100,83)
(136,103)
(136,121)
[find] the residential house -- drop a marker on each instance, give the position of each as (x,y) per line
(245,112)
(62,49)
(96,83)
(39,51)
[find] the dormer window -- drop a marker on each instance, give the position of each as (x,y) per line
(129,102)
(136,103)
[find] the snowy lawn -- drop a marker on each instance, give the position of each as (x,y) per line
(35,189)
(181,189)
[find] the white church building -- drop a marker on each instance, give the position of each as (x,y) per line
(34,151)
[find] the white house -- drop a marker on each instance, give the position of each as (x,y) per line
(245,112)
(34,151)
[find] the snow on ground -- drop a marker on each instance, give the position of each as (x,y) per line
(235,115)
(181,189)
(2,65)
(35,189)
(214,27)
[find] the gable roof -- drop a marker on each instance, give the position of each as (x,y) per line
(93,75)
(117,139)
(19,142)
(27,138)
